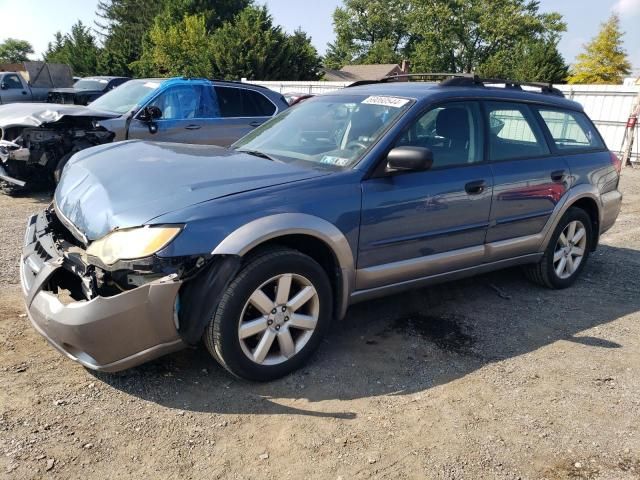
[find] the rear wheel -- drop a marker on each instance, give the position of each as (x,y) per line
(567,252)
(272,316)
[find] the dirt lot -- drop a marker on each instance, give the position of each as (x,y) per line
(489,377)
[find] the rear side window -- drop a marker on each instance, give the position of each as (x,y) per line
(241,102)
(571,130)
(514,132)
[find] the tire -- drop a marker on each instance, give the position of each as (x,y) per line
(290,335)
(546,271)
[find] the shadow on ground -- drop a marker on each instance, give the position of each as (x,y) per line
(407,343)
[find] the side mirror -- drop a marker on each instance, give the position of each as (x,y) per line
(150,113)
(4,86)
(409,159)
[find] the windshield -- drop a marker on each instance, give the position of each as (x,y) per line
(91,84)
(329,129)
(126,96)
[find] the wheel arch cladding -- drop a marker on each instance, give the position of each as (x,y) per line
(309,234)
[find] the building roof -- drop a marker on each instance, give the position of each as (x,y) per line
(353,73)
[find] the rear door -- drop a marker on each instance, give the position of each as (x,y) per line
(529,179)
(241,110)
(14,89)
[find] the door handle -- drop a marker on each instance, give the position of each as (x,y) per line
(193,127)
(255,124)
(475,188)
(24,92)
(558,175)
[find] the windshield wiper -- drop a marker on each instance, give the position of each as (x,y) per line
(257,153)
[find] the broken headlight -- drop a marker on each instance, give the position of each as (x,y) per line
(132,243)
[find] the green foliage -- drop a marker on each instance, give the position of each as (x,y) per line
(462,35)
(251,46)
(604,60)
(15,51)
(528,61)
(215,12)
(123,25)
(182,49)
(369,31)
(77,49)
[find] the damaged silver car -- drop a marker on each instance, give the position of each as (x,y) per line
(38,139)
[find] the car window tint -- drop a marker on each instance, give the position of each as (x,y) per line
(257,105)
(186,102)
(242,102)
(451,131)
(12,81)
(571,130)
(513,132)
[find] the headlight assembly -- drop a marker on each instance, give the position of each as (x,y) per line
(132,243)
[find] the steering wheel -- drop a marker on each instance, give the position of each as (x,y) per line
(355,143)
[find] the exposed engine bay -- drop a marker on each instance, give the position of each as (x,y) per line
(33,157)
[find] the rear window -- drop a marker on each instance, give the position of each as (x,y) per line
(571,130)
(514,132)
(241,102)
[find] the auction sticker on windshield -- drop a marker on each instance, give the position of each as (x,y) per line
(395,102)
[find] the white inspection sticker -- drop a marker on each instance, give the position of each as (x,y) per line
(339,161)
(394,102)
(152,85)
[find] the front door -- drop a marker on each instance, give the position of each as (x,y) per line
(419,224)
(188,114)
(13,89)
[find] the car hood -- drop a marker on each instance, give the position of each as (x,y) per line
(128,184)
(36,114)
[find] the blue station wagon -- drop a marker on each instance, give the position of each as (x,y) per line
(367,191)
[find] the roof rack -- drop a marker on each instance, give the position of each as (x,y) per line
(407,76)
(466,80)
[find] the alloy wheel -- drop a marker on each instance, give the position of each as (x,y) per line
(570,249)
(278,319)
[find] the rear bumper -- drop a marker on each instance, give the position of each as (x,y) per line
(105,333)
(611,204)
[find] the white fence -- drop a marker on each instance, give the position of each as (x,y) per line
(608,106)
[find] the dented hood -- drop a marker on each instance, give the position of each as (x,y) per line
(128,184)
(36,114)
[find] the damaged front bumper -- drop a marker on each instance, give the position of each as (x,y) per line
(105,333)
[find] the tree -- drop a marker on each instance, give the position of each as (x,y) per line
(528,61)
(183,49)
(215,12)
(15,51)
(252,46)
(123,24)
(604,59)
(463,35)
(369,31)
(304,61)
(77,49)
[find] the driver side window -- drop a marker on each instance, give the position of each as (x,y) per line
(187,102)
(452,131)
(12,82)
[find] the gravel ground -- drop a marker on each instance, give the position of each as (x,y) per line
(490,377)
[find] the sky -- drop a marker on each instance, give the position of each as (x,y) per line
(38,20)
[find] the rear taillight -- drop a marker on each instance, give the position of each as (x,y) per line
(616,162)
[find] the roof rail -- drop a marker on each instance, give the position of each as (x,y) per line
(238,82)
(545,87)
(406,77)
(466,80)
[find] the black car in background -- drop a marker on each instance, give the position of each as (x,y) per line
(85,90)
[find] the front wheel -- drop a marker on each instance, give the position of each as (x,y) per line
(272,316)
(567,252)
